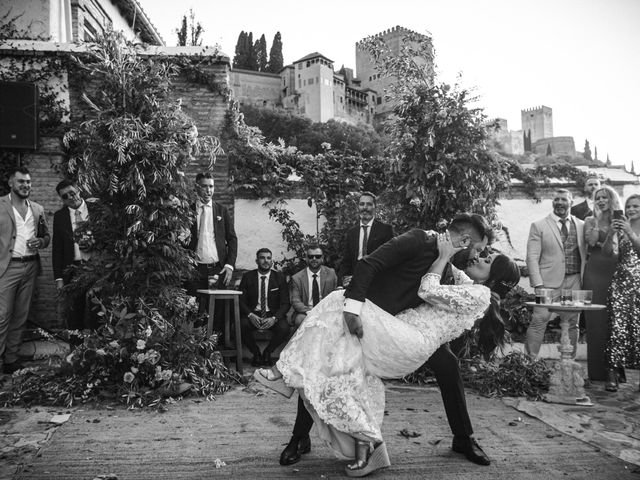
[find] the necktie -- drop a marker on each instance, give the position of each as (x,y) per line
(78,218)
(564,233)
(315,292)
(201,229)
(365,239)
(263,296)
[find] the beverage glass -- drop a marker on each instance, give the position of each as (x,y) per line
(582,297)
(544,295)
(565,296)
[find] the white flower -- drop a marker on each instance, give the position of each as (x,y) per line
(147,332)
(129,377)
(114,344)
(166,374)
(153,357)
(134,370)
(141,358)
(101,352)
(141,344)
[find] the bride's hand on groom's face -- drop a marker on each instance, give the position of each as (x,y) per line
(354,324)
(446,249)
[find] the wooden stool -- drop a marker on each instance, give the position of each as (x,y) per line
(233,295)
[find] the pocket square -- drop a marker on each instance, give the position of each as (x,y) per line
(274,289)
(218,217)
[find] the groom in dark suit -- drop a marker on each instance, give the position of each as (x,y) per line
(390,278)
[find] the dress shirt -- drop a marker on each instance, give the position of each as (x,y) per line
(368,225)
(25,229)
(206,250)
(559,223)
(84,216)
(310,275)
(266,285)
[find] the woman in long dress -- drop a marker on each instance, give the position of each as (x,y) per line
(339,375)
(623,345)
(597,276)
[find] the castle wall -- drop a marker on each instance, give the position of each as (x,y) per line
(559,146)
(256,88)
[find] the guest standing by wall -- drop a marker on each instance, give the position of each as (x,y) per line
(597,275)
(623,345)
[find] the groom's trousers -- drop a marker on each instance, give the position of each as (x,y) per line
(446,368)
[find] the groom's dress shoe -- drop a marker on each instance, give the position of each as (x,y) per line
(296,447)
(470,449)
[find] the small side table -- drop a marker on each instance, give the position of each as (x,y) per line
(566,384)
(233,295)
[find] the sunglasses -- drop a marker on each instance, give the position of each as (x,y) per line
(68,195)
(317,257)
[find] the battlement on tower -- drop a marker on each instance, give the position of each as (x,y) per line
(394,32)
(536,109)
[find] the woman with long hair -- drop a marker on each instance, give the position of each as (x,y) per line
(338,375)
(597,275)
(623,344)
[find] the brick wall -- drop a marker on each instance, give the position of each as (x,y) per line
(206,107)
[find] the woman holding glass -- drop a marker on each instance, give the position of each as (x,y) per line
(623,345)
(597,275)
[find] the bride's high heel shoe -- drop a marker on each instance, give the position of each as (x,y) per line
(272,380)
(368,461)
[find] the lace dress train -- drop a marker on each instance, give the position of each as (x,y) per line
(339,375)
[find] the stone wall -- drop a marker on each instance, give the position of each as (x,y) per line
(559,146)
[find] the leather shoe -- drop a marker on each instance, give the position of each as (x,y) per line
(266,359)
(256,361)
(470,449)
(294,449)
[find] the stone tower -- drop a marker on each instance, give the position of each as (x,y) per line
(367,72)
(314,85)
(537,123)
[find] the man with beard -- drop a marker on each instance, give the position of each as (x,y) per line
(363,238)
(585,209)
(555,259)
(23,231)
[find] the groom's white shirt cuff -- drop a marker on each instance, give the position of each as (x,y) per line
(353,306)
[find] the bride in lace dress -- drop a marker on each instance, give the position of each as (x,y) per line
(339,375)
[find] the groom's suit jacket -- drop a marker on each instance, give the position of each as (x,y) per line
(391,275)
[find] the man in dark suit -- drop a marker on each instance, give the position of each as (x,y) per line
(363,238)
(584,209)
(390,278)
(67,251)
(311,284)
(264,304)
(213,237)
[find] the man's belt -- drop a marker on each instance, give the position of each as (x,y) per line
(25,258)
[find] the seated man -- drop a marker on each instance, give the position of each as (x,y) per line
(311,284)
(264,304)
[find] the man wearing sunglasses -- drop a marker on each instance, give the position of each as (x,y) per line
(311,284)
(68,249)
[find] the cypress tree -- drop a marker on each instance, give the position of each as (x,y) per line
(261,54)
(240,56)
(587,150)
(276,61)
(549,150)
(595,153)
(252,63)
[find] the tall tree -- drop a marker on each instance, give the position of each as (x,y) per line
(260,49)
(549,152)
(595,153)
(190,33)
(587,150)
(240,58)
(608,164)
(276,61)
(252,63)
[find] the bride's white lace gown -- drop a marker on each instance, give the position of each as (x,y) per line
(338,375)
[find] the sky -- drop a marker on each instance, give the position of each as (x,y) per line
(579,57)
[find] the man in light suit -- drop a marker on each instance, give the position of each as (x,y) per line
(264,304)
(585,209)
(555,259)
(363,238)
(66,251)
(302,294)
(23,231)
